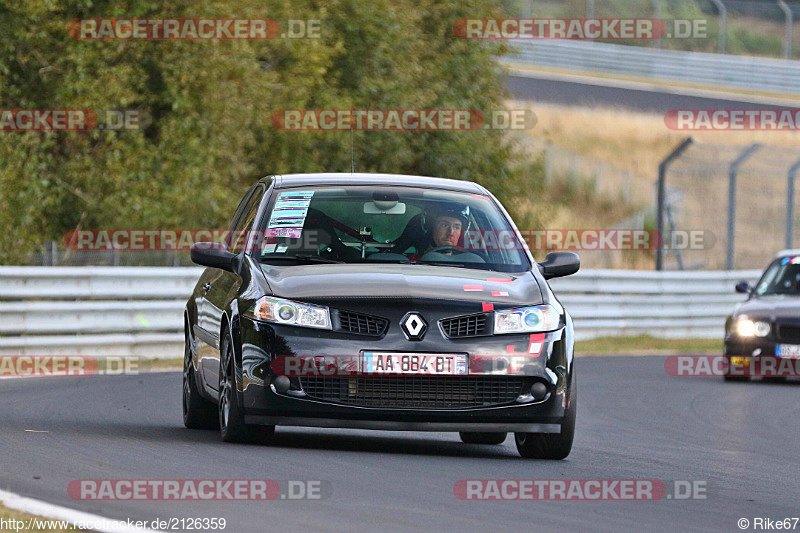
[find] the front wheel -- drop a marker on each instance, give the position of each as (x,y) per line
(231,417)
(552,445)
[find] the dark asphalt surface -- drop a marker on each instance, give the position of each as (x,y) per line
(634,422)
(582,94)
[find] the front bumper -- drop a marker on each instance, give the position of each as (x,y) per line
(753,346)
(492,360)
(760,357)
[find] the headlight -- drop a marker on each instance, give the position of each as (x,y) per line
(291,313)
(749,328)
(526,319)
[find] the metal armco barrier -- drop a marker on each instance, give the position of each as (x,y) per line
(94,310)
(139,310)
(608,303)
(746,72)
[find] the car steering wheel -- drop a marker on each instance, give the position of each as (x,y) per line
(441,249)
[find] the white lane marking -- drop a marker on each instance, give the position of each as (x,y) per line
(56,512)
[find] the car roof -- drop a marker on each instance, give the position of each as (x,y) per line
(285,181)
(789,252)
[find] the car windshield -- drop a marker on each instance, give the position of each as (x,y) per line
(408,225)
(782,277)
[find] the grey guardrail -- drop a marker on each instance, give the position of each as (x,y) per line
(139,310)
(743,72)
(94,311)
(607,303)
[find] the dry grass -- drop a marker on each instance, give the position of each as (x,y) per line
(647,345)
(630,145)
(166,364)
(631,140)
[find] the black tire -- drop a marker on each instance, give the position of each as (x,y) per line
(552,445)
(483,438)
(198,413)
(231,417)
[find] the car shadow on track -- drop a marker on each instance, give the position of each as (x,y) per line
(287,439)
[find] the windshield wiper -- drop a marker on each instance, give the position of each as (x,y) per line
(302,258)
(452,264)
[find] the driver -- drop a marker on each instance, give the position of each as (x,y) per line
(446,225)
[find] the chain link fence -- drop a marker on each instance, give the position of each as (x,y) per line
(743,194)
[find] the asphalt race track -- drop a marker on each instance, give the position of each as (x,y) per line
(576,93)
(634,422)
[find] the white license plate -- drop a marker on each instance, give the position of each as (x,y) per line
(414,363)
(788,350)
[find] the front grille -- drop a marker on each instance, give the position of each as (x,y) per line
(788,332)
(466,326)
(361,324)
(420,392)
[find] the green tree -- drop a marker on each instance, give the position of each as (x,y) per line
(211,103)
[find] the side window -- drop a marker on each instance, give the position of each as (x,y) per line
(240,208)
(245,221)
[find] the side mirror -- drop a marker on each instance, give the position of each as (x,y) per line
(744,287)
(212,254)
(558,264)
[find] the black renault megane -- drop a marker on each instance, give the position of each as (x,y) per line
(379,302)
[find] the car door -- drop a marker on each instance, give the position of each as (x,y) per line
(206,333)
(227,283)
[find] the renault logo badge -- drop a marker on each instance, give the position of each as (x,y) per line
(414,326)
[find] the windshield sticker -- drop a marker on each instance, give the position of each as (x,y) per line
(289,214)
(292,233)
(791,260)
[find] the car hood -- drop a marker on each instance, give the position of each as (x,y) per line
(320,282)
(771,307)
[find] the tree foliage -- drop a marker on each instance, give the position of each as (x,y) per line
(211,103)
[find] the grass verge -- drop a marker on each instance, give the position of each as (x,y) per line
(647,345)
(174,363)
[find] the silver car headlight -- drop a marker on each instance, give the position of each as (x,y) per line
(533,319)
(288,312)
